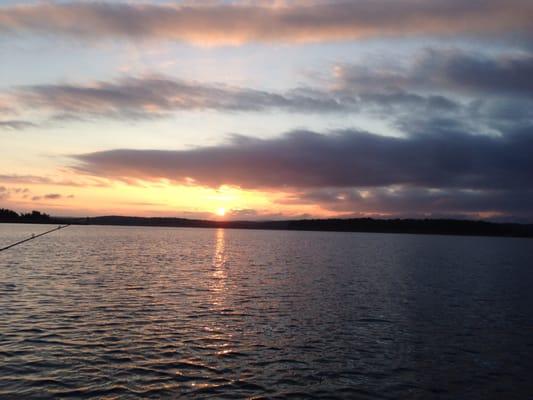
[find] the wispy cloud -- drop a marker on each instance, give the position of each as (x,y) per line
(240,23)
(52,196)
(437,82)
(16,125)
(155,96)
(46,180)
(19,192)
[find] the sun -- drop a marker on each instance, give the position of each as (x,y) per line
(221,212)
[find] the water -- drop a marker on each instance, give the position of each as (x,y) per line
(124,312)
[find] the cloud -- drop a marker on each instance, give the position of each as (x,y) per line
(442,71)
(304,159)
(9,118)
(52,196)
(156,96)
(135,98)
(504,75)
(44,180)
(485,93)
(439,82)
(6,192)
(419,202)
(240,23)
(16,125)
(249,214)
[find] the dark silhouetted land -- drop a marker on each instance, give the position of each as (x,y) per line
(418,226)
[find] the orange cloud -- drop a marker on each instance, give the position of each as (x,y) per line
(235,24)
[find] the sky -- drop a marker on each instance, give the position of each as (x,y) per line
(268,109)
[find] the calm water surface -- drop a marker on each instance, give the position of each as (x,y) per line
(123,312)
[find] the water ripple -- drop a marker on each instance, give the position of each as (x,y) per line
(141,313)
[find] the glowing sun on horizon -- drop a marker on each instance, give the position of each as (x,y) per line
(221,212)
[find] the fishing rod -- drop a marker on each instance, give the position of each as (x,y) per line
(34,237)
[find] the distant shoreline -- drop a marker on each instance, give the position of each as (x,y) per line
(370,225)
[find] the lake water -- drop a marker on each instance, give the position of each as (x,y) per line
(125,312)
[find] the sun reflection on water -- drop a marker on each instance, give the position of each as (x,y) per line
(219,262)
(217,332)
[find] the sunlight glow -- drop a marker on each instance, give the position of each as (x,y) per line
(221,212)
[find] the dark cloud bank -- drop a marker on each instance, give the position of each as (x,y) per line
(349,158)
(445,171)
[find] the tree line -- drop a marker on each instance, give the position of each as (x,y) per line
(32,217)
